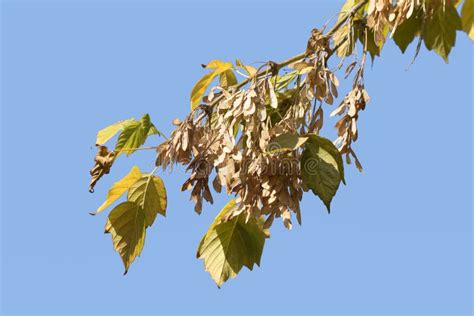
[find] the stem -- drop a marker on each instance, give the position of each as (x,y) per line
(135,149)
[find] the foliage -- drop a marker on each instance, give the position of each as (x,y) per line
(259,137)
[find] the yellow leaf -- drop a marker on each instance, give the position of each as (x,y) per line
(467,17)
(218,64)
(126,224)
(119,188)
(251,71)
(150,194)
(105,134)
(201,86)
(227,79)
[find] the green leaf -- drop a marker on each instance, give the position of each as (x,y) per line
(286,142)
(134,135)
(228,246)
(150,194)
(126,224)
(322,168)
(282,82)
(119,188)
(227,79)
(105,134)
(439,32)
(407,31)
(201,86)
(328,146)
(217,220)
(154,131)
(467,17)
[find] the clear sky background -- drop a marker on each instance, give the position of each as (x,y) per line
(398,241)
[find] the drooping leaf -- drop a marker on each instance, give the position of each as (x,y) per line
(286,142)
(150,194)
(103,161)
(227,79)
(134,135)
(328,146)
(105,134)
(201,86)
(439,31)
(126,224)
(467,17)
(407,31)
(228,246)
(319,171)
(120,187)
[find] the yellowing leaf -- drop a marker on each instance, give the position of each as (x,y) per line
(134,135)
(227,79)
(467,17)
(320,170)
(439,32)
(251,71)
(150,194)
(218,64)
(105,134)
(126,224)
(201,86)
(217,220)
(120,187)
(228,246)
(286,142)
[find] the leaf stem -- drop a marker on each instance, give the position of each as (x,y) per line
(135,149)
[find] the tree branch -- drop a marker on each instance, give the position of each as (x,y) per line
(300,56)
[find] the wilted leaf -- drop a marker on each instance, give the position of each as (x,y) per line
(228,246)
(120,187)
(103,161)
(439,32)
(320,170)
(126,224)
(286,142)
(201,86)
(150,194)
(467,17)
(134,135)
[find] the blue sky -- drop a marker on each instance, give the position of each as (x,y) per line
(398,240)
